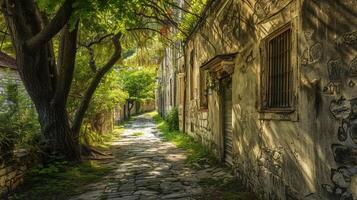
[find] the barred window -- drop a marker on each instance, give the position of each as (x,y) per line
(277,80)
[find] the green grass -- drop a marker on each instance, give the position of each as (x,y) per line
(60,181)
(197,153)
(138,134)
(107,138)
(213,189)
(102,141)
(231,190)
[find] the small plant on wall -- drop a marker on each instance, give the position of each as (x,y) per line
(18,124)
(173,119)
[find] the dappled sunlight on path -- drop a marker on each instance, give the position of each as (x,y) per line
(146,167)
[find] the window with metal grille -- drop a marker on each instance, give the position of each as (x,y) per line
(278,72)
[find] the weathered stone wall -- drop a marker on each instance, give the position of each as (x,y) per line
(12,173)
(144,106)
(310,153)
(166,91)
(120,113)
(8,74)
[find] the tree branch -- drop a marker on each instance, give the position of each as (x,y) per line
(54,26)
(161,12)
(89,45)
(92,64)
(149,29)
(97,41)
(5,32)
(182,9)
(78,118)
(66,65)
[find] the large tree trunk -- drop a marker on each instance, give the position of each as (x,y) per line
(79,116)
(53,118)
(130,107)
(47,84)
(55,126)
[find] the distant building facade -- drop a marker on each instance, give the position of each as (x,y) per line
(8,70)
(170,81)
(270,87)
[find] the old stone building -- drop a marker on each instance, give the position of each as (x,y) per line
(270,87)
(166,90)
(170,91)
(8,69)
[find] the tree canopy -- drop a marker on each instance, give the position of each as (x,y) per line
(67,49)
(138,83)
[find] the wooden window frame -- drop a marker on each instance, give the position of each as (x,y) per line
(288,113)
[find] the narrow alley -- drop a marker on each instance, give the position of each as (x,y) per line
(146,167)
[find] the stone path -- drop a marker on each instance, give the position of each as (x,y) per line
(146,167)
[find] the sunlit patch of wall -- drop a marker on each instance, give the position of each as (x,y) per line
(310,153)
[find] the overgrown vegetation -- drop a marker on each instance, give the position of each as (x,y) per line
(213,189)
(173,119)
(76,45)
(18,120)
(102,141)
(189,19)
(60,180)
(139,83)
(197,153)
(230,190)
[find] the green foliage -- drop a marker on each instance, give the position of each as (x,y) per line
(50,169)
(213,189)
(226,190)
(60,180)
(189,20)
(139,83)
(18,118)
(101,140)
(173,119)
(148,53)
(197,153)
(107,96)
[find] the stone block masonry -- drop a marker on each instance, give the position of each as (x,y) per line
(12,172)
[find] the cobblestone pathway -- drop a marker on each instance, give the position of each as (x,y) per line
(146,167)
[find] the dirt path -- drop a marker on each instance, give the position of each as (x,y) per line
(146,167)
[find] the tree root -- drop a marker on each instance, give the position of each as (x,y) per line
(92,153)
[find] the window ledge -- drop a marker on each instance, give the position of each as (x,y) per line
(277,110)
(279,115)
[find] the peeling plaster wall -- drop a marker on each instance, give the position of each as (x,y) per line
(311,153)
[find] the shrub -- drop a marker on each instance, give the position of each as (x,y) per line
(173,119)
(18,119)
